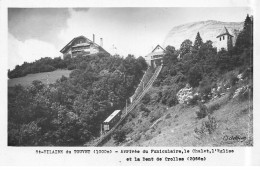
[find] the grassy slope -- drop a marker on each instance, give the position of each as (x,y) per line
(176,125)
(27,80)
(233,119)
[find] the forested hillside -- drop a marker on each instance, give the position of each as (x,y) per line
(45,64)
(70,111)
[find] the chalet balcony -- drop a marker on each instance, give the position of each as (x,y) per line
(79,49)
(81,45)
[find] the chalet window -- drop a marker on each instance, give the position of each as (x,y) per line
(220,38)
(223,37)
(80,41)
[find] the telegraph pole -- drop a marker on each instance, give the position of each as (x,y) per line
(101,132)
(126,106)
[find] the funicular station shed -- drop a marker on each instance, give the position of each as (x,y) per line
(155,58)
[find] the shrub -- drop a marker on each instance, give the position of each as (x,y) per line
(128,130)
(37,84)
(71,66)
(144,128)
(146,99)
(144,108)
(208,126)
(232,92)
(119,136)
(244,93)
(154,117)
(46,68)
(194,76)
(155,96)
(194,100)
(63,78)
(168,116)
(185,95)
(230,78)
(203,111)
(205,88)
(130,118)
(248,73)
(169,97)
(179,78)
(137,137)
(148,136)
(233,80)
(214,107)
(132,114)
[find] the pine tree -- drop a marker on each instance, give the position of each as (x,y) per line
(198,42)
(248,29)
(245,37)
(247,23)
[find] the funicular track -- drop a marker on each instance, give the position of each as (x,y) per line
(103,139)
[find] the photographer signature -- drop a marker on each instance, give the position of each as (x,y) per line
(236,138)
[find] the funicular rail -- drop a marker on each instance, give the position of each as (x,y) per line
(104,138)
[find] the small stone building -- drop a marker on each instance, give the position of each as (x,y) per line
(224,40)
(81,44)
(155,58)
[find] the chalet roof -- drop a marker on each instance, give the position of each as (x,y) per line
(90,42)
(70,43)
(224,32)
(112,116)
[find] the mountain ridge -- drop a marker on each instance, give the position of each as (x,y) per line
(208,29)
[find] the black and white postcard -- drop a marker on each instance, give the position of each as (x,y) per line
(142,83)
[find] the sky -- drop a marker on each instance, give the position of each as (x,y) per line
(42,32)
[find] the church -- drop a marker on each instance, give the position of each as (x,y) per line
(224,40)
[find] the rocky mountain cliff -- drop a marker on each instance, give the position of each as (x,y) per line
(209,30)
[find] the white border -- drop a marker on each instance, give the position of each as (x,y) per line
(26,155)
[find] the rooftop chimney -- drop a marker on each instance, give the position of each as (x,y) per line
(101,42)
(93,38)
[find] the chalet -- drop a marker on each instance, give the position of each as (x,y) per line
(224,40)
(81,44)
(155,58)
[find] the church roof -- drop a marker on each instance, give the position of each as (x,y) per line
(224,32)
